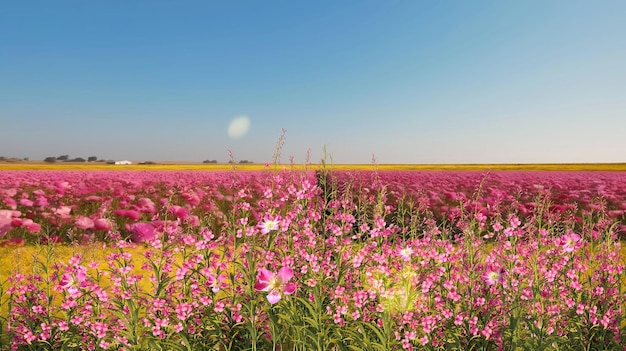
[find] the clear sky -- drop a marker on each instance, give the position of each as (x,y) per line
(406,81)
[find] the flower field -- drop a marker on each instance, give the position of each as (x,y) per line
(312,260)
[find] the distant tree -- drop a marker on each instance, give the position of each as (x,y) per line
(92,159)
(245,161)
(26,159)
(209,161)
(77,159)
(63,158)
(50,159)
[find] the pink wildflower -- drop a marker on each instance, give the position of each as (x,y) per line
(275,284)
(102,224)
(31,226)
(268,225)
(406,253)
(83,222)
(180,212)
(26,202)
(569,242)
(72,284)
(146,205)
(6,218)
(493,276)
(142,232)
(63,211)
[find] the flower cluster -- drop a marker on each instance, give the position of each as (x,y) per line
(302,260)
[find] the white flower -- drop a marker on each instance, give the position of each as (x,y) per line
(268,225)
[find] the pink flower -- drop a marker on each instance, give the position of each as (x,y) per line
(63,212)
(493,276)
(194,221)
(13,242)
(83,222)
(141,232)
(275,284)
(41,201)
(28,224)
(130,214)
(569,242)
(179,212)
(406,253)
(33,228)
(52,239)
(268,225)
(26,202)
(6,218)
(146,205)
(102,224)
(71,283)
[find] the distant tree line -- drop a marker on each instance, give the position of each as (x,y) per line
(12,159)
(231,161)
(66,158)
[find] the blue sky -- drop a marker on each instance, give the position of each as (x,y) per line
(405,81)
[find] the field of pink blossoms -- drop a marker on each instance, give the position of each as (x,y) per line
(295,260)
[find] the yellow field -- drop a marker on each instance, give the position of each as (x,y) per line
(97,166)
(27,260)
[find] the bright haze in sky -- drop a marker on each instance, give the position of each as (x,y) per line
(406,81)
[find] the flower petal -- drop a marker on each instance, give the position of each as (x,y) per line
(261,285)
(273,297)
(265,275)
(285,274)
(290,288)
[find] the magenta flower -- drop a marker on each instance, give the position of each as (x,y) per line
(275,284)
(130,214)
(194,221)
(146,205)
(13,242)
(26,202)
(52,239)
(180,212)
(570,241)
(32,227)
(26,223)
(83,222)
(102,224)
(6,218)
(141,232)
(72,284)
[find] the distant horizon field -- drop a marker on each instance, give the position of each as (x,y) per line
(190,166)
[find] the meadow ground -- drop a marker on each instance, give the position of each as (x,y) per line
(190,255)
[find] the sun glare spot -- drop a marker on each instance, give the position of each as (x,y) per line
(238,127)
